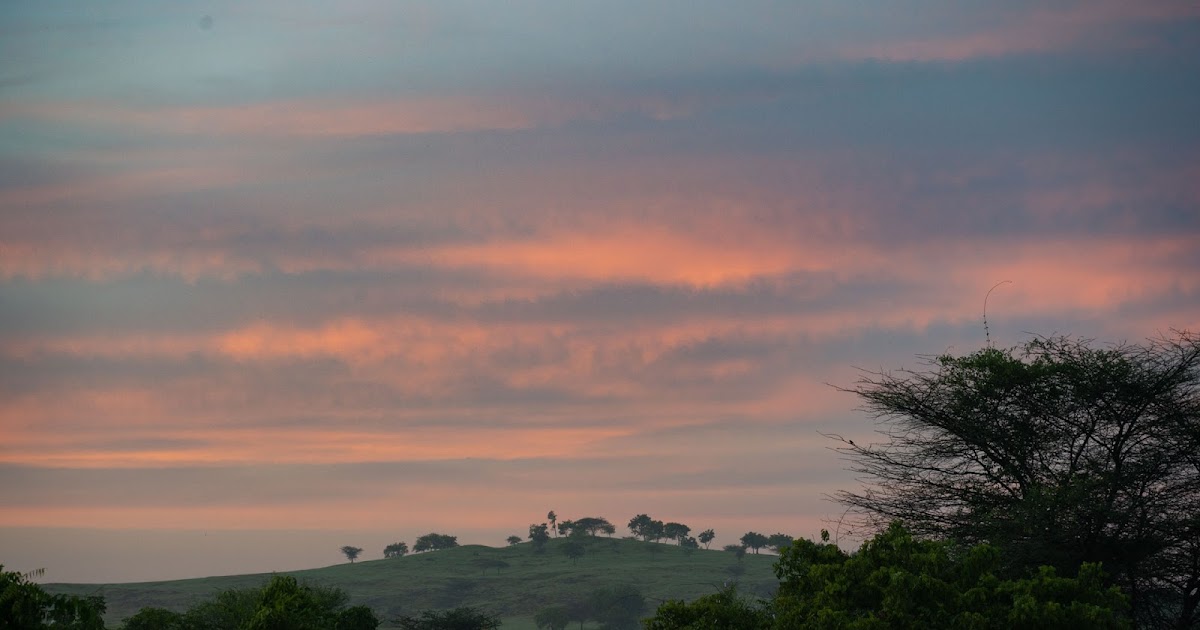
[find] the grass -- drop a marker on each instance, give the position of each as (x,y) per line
(454,577)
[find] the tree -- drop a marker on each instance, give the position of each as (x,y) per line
(151,618)
(910,583)
(553,618)
(435,542)
(539,535)
(573,549)
(738,551)
(706,537)
(513,540)
(566,528)
(553,518)
(25,605)
(463,618)
(689,544)
(594,525)
(1059,453)
(283,603)
(641,526)
(724,610)
(395,550)
(778,541)
(351,553)
(617,607)
(676,531)
(656,530)
(754,540)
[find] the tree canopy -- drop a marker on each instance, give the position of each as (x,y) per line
(351,553)
(435,542)
(1060,453)
(395,550)
(25,605)
(283,603)
(897,581)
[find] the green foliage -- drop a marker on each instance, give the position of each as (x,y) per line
(463,618)
(617,607)
(897,581)
(435,542)
(1060,453)
(539,536)
(395,550)
(283,603)
(151,618)
(25,605)
(724,610)
(356,618)
(351,553)
(513,540)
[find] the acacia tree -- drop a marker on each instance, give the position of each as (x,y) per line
(706,537)
(1059,453)
(351,553)
(513,540)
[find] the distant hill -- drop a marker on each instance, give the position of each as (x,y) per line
(461,577)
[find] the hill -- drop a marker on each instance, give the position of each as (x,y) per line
(462,577)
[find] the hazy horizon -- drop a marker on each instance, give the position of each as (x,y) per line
(298,276)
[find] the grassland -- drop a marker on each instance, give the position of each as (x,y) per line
(455,577)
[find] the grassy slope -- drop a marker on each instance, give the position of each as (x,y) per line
(450,578)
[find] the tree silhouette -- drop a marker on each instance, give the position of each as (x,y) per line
(676,531)
(514,540)
(553,518)
(435,542)
(395,550)
(754,540)
(351,553)
(1059,453)
(778,541)
(706,537)
(539,535)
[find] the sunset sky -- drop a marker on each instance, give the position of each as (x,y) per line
(279,276)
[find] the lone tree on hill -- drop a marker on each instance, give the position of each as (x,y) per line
(594,525)
(706,537)
(513,540)
(395,550)
(1059,453)
(351,552)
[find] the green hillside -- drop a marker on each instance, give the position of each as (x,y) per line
(456,577)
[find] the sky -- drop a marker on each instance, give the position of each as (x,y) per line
(278,277)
